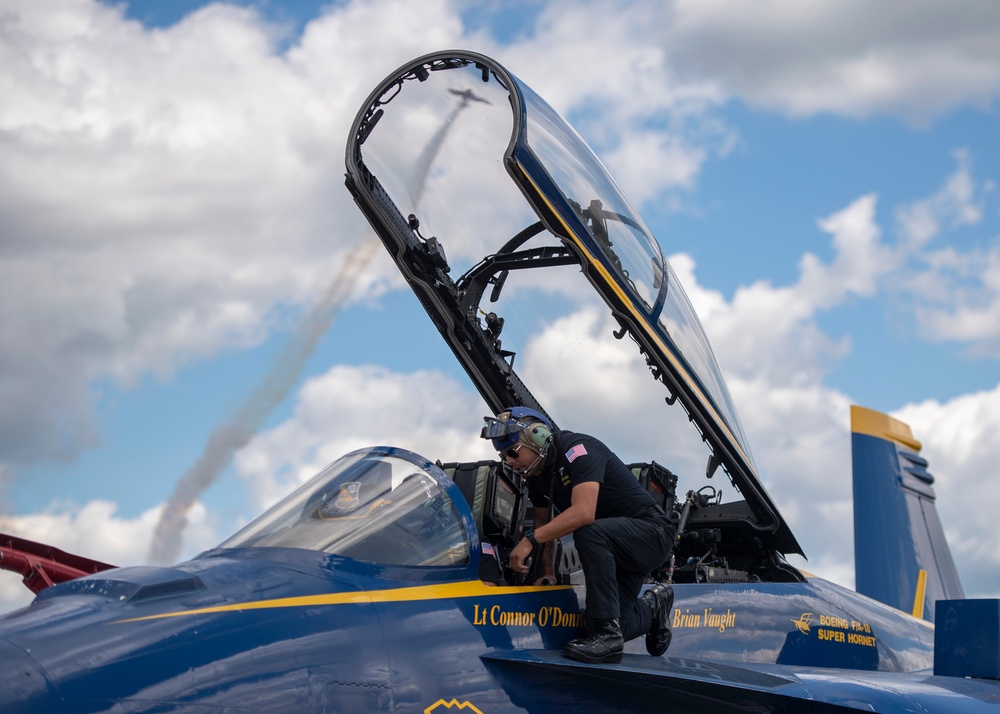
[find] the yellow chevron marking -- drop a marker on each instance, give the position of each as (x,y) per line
(453,703)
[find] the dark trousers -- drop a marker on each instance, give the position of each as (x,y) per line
(617,554)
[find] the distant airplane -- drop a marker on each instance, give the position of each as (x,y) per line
(468,95)
(361,590)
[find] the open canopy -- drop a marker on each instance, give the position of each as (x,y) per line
(521,191)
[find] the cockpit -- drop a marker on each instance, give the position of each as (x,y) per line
(388,506)
(376,505)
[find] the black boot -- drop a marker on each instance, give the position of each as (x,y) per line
(604,645)
(660,599)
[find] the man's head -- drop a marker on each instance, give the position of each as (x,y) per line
(521,436)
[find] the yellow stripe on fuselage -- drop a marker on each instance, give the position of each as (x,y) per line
(473,588)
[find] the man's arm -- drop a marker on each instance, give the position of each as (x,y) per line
(581,512)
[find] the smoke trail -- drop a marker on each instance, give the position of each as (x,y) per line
(422,166)
(232,435)
(235,433)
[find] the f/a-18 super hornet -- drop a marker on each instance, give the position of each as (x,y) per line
(361,591)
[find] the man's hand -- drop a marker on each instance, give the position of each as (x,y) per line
(520,554)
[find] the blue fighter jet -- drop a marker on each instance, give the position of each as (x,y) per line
(363,590)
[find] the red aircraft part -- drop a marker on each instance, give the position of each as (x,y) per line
(40,565)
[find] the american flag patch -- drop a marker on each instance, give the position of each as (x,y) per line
(487,548)
(576,452)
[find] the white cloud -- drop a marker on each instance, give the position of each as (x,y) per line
(770,332)
(599,65)
(348,408)
(673,160)
(956,203)
(969,309)
(13,593)
(165,191)
(913,59)
(952,283)
(861,259)
(959,442)
(95,530)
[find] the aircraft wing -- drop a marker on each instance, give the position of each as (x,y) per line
(545,681)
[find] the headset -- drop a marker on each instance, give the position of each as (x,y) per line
(518,424)
(538,436)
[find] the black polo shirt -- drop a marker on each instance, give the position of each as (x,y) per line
(579,458)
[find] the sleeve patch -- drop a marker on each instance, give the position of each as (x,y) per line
(576,452)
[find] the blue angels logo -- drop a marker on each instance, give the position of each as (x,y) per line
(454,704)
(349,497)
(802,624)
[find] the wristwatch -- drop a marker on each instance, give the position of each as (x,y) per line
(530,535)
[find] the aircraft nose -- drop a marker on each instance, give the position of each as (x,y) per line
(24,685)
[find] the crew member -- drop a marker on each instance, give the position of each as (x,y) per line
(577,485)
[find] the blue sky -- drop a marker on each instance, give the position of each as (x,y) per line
(172,187)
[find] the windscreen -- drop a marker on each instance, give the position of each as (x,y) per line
(378,505)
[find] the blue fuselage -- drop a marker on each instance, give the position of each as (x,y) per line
(286,629)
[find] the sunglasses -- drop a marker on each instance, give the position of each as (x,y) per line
(511,453)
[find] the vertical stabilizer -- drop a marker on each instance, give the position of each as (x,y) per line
(901,556)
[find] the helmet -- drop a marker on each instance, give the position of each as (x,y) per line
(514,424)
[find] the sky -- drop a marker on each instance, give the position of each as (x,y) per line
(175,232)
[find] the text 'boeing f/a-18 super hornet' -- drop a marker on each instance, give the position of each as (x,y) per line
(361,591)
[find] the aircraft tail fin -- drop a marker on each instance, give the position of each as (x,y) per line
(901,556)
